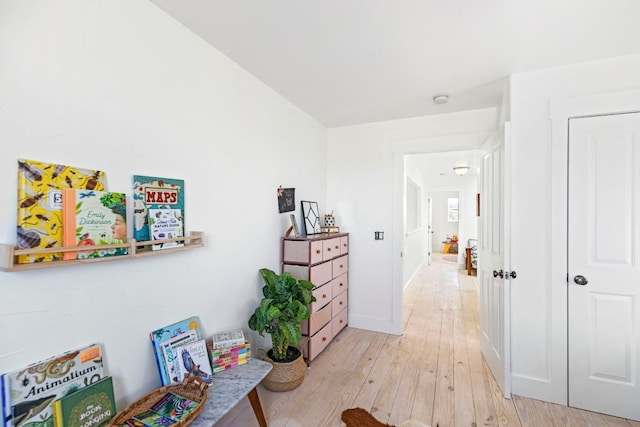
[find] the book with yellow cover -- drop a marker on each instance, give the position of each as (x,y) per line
(40,187)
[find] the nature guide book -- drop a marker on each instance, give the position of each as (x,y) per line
(174,406)
(152,192)
(40,184)
(93,405)
(165,224)
(94,218)
(171,357)
(159,336)
(29,392)
(194,361)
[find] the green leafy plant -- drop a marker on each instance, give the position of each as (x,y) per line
(285,304)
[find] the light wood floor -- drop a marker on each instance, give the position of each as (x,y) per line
(433,373)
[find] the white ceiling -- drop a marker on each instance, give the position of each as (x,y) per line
(356,61)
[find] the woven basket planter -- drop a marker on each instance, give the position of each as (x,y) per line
(285,376)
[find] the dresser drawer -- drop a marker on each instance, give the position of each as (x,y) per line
(339,321)
(316,321)
(340,284)
(319,341)
(318,274)
(331,248)
(339,303)
(323,295)
(306,252)
(344,245)
(340,265)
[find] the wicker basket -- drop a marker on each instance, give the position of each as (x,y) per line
(192,388)
(285,376)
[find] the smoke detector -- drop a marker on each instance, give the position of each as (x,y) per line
(441,99)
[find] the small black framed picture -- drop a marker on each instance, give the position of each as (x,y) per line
(311,215)
(286,199)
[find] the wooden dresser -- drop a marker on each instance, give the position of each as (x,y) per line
(323,259)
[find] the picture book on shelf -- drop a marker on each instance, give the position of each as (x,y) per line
(29,392)
(171,357)
(40,185)
(174,406)
(165,333)
(152,192)
(194,361)
(165,224)
(93,405)
(94,218)
(228,339)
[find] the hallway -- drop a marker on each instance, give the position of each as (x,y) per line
(433,373)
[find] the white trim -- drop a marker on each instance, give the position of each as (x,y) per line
(560,111)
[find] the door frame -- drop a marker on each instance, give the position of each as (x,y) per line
(560,111)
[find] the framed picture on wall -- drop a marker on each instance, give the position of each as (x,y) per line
(286,199)
(311,216)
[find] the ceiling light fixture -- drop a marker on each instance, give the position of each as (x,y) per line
(461,170)
(441,99)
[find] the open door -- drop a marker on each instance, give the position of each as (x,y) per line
(429,229)
(493,259)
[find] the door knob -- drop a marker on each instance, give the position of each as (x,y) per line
(580,280)
(498,273)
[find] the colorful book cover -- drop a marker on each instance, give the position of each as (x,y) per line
(228,339)
(163,334)
(154,192)
(194,361)
(33,389)
(153,419)
(93,405)
(165,224)
(174,406)
(94,218)
(171,357)
(40,187)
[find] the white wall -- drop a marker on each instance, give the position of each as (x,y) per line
(538,295)
(365,181)
(119,86)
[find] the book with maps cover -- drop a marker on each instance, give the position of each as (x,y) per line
(157,193)
(28,393)
(93,405)
(40,187)
(93,218)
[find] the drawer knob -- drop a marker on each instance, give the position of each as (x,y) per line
(337,247)
(328,249)
(344,245)
(341,266)
(324,338)
(340,303)
(324,295)
(341,284)
(341,321)
(317,251)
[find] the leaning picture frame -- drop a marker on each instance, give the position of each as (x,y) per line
(311,217)
(294,224)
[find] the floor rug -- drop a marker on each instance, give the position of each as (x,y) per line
(358,417)
(452,258)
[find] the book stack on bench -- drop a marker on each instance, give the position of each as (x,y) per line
(228,349)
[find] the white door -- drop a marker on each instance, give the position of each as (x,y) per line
(603,257)
(429,230)
(493,263)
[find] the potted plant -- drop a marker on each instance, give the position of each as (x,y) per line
(284,305)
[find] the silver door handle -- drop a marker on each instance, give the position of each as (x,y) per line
(580,280)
